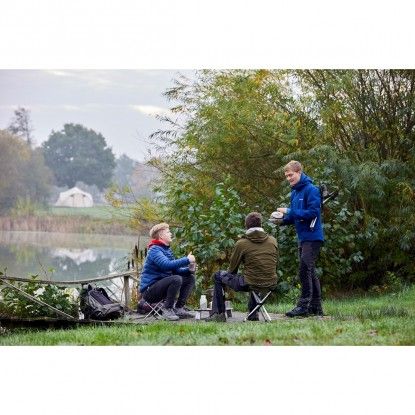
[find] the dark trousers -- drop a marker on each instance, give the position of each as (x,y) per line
(234,281)
(168,288)
(308,252)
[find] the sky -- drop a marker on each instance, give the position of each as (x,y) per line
(120,104)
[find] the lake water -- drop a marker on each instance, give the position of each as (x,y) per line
(64,256)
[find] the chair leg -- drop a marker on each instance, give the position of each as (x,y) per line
(255,309)
(155,311)
(260,306)
(266,316)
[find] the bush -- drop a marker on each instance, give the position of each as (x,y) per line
(209,229)
(16,305)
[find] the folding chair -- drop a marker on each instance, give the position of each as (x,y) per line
(154,309)
(260,301)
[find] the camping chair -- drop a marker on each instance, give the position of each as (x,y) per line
(151,309)
(260,300)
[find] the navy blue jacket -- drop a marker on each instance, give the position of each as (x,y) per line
(160,263)
(304,207)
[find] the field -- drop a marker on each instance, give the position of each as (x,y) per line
(381,320)
(96,212)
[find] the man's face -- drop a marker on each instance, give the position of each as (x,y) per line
(166,236)
(293,177)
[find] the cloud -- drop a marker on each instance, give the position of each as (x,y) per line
(58,73)
(150,110)
(94,78)
(71,107)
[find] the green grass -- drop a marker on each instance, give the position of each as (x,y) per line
(382,320)
(95,212)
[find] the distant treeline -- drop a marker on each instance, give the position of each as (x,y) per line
(33,177)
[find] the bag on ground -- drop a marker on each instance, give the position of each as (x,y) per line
(96,305)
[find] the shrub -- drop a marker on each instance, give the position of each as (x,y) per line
(14,304)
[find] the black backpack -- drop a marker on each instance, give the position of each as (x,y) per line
(96,305)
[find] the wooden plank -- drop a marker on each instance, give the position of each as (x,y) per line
(79,282)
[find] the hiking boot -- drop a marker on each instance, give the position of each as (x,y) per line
(315,310)
(217,317)
(298,312)
(253,317)
(183,313)
(169,314)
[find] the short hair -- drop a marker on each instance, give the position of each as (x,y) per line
(293,165)
(157,229)
(253,220)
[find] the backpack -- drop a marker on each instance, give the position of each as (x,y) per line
(96,305)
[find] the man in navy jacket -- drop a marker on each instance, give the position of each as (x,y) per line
(164,277)
(305,206)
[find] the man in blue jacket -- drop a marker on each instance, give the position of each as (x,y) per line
(164,277)
(305,206)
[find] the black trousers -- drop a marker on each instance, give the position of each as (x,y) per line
(234,281)
(169,288)
(308,252)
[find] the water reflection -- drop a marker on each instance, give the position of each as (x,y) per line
(70,256)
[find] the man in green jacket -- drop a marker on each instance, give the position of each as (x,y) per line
(258,252)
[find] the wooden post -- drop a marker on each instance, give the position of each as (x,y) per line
(127,294)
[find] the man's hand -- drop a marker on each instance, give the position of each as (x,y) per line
(283,210)
(276,218)
(191,258)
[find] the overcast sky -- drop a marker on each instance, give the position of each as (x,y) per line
(120,104)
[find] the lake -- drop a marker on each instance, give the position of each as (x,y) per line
(64,256)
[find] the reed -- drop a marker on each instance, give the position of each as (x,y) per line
(65,224)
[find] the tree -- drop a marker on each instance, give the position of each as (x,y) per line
(79,154)
(22,171)
(143,179)
(239,124)
(21,125)
(354,130)
(123,170)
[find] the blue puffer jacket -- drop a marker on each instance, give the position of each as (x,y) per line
(161,263)
(305,206)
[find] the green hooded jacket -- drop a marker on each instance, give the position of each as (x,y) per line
(258,252)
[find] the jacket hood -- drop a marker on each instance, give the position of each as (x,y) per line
(256,235)
(304,180)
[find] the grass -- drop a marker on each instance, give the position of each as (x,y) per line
(95,212)
(381,320)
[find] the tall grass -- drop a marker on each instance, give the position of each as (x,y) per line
(67,224)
